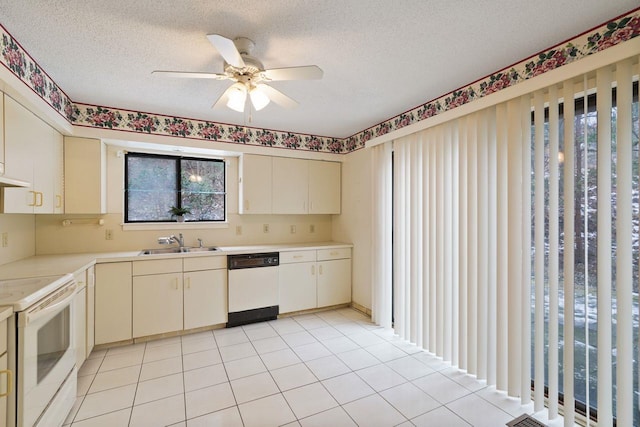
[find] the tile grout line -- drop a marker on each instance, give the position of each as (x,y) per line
(305,363)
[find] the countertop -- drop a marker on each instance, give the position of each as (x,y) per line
(5,312)
(48,265)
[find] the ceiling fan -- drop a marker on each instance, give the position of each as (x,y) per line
(249,76)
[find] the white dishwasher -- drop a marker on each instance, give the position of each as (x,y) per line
(253,288)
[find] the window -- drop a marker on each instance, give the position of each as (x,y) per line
(155,183)
(585,296)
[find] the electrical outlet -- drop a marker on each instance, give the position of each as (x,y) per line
(5,239)
(108,234)
(312,228)
(293,229)
(265,228)
(238,230)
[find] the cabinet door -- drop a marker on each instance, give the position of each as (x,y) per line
(255,184)
(297,287)
(1,138)
(91,298)
(58,173)
(80,325)
(205,298)
(157,304)
(334,282)
(19,154)
(85,165)
(324,187)
(113,302)
(290,192)
(44,166)
(3,389)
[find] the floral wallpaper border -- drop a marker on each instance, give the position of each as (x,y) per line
(20,63)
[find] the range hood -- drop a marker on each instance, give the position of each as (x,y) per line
(10,182)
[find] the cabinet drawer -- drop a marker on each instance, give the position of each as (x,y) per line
(157,266)
(297,256)
(339,253)
(205,263)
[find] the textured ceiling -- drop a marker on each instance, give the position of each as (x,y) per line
(380,57)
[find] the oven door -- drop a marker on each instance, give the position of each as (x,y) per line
(45,353)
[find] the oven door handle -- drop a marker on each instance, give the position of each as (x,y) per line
(61,298)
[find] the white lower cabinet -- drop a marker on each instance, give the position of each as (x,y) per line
(205,298)
(185,294)
(205,291)
(4,385)
(113,302)
(91,310)
(297,281)
(334,282)
(80,324)
(7,382)
(313,279)
(334,276)
(157,304)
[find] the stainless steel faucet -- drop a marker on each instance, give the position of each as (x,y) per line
(171,239)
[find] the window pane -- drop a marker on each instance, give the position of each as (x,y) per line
(151,188)
(203,189)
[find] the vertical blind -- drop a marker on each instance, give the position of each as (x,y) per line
(514,252)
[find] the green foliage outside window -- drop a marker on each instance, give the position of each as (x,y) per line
(155,184)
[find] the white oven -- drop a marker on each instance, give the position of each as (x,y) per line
(43,355)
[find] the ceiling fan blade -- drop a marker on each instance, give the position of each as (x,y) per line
(191,74)
(278,97)
(308,72)
(224,98)
(227,50)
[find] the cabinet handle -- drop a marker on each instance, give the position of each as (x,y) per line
(297,256)
(333,253)
(246,204)
(9,375)
(41,199)
(175,283)
(58,201)
(188,282)
(320,269)
(313,270)
(33,201)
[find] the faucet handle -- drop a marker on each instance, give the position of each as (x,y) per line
(199,242)
(164,240)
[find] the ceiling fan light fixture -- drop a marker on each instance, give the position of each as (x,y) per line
(237,98)
(259,99)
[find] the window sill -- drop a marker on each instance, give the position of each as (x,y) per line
(173,226)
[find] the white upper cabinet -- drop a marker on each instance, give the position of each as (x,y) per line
(1,133)
(278,185)
(324,187)
(255,184)
(32,154)
(85,173)
(290,185)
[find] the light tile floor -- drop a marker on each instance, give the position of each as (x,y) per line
(332,368)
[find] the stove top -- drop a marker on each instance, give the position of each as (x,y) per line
(22,293)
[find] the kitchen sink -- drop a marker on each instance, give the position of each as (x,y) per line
(176,250)
(202,249)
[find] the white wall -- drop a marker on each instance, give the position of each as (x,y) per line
(20,229)
(52,237)
(354,225)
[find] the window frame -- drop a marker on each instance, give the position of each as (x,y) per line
(178,162)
